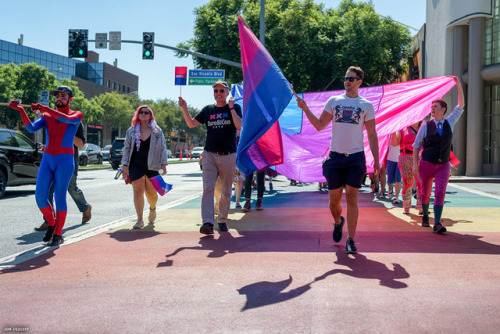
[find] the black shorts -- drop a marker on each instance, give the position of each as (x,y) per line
(340,170)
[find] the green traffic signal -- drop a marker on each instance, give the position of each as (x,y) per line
(77,43)
(148,39)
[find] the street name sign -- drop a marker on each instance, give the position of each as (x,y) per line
(205,77)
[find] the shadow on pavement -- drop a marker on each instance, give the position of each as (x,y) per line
(359,266)
(32,264)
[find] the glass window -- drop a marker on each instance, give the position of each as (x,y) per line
(12,47)
(23,142)
(6,139)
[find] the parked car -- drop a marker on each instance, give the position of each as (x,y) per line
(89,154)
(169,154)
(19,160)
(106,152)
(116,153)
(178,154)
(196,152)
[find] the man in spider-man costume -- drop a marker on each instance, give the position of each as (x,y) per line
(57,162)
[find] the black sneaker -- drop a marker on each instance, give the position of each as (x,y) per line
(259,205)
(48,233)
(222,227)
(350,248)
(56,240)
(438,228)
(425,221)
(246,207)
(207,228)
(337,230)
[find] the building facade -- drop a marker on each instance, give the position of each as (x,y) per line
(93,77)
(462,38)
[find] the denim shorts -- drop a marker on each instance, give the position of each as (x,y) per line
(393,174)
(340,170)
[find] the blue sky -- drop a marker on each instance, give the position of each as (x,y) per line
(45,26)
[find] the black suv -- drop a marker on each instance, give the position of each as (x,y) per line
(19,160)
(116,153)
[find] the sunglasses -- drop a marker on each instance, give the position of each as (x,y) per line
(144,112)
(351,79)
(219,91)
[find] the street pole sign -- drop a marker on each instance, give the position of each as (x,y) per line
(115,40)
(101,40)
(44,98)
(205,77)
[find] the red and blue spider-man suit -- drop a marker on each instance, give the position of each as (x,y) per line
(57,162)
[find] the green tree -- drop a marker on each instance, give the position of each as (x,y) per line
(114,110)
(25,82)
(312,45)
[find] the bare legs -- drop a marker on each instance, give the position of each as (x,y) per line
(144,186)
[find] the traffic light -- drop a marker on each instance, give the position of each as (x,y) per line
(148,45)
(77,43)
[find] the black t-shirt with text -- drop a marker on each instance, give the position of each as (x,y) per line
(221,132)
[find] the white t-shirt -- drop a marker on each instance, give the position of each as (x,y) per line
(349,116)
(393,153)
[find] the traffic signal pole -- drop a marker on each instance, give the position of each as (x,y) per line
(192,53)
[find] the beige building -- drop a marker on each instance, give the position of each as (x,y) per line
(462,38)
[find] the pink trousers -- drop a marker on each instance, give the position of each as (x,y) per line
(440,174)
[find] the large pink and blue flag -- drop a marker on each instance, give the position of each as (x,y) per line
(396,106)
(266,94)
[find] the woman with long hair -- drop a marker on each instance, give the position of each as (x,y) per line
(144,153)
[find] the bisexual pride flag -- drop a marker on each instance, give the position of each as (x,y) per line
(266,94)
(180,75)
(160,185)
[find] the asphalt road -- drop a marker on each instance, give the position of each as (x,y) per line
(111,200)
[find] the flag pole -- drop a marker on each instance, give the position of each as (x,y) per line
(21,105)
(291,86)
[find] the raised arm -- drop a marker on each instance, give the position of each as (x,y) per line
(74,118)
(30,126)
(234,115)
(461,99)
(190,121)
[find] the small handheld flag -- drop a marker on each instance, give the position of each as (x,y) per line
(180,77)
(160,185)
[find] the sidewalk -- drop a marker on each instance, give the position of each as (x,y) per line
(275,271)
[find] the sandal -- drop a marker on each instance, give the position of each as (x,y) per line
(152,215)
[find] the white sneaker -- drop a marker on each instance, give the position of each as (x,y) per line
(396,201)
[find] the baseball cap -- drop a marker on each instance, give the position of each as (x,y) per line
(62,89)
(220,83)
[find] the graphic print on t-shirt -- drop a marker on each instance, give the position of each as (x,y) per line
(218,121)
(347,114)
